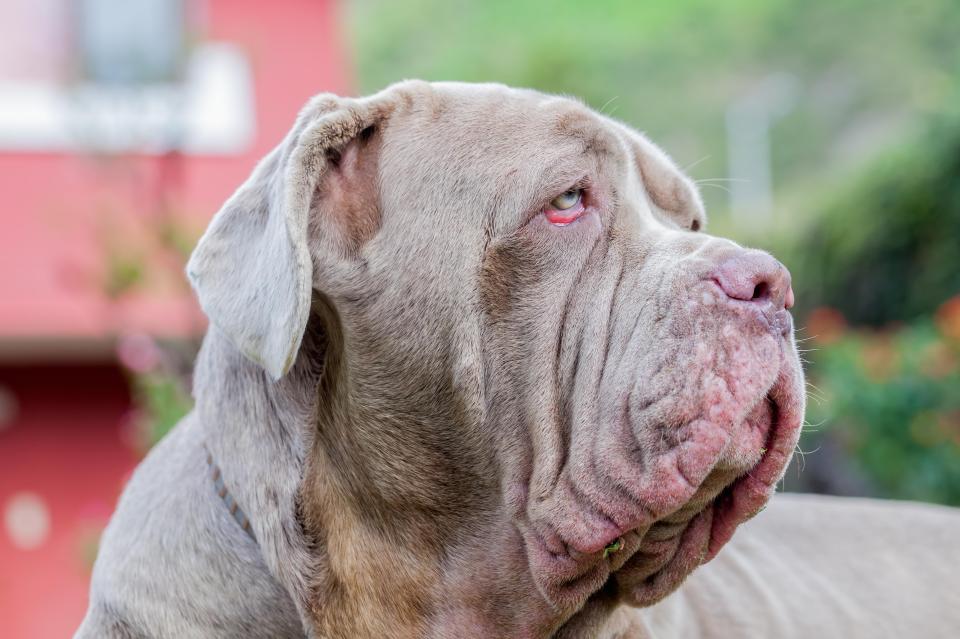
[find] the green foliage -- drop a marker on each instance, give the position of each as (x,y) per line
(884,251)
(123,273)
(161,402)
(892,399)
(887,248)
(867,69)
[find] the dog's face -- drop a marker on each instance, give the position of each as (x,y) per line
(528,306)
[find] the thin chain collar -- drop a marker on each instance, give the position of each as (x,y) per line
(224,494)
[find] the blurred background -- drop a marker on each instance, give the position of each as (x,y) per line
(826,132)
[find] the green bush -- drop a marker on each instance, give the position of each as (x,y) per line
(162,402)
(892,398)
(888,247)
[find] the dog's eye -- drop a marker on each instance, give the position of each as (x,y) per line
(565,208)
(566,200)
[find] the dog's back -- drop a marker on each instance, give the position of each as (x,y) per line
(815,566)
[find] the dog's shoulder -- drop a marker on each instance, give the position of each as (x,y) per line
(174,563)
(103,621)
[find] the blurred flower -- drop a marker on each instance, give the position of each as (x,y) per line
(138,352)
(949,423)
(938,360)
(879,358)
(826,325)
(948,318)
(134,431)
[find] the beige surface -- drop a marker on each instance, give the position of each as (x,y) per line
(824,567)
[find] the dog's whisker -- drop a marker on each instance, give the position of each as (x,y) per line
(608,103)
(687,168)
(715,180)
(716,186)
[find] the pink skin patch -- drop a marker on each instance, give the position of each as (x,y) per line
(713,527)
(750,493)
(566,216)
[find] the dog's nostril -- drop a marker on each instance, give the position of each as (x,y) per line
(754,276)
(761,291)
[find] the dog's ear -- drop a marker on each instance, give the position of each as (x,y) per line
(674,194)
(252,268)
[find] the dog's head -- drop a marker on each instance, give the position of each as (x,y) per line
(536,342)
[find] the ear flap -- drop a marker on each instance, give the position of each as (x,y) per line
(672,192)
(252,269)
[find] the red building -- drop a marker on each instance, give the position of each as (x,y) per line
(123,127)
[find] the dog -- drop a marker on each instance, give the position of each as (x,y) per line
(474,369)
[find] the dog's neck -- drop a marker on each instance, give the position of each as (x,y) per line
(365,510)
(254,430)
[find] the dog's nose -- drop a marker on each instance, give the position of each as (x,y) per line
(755,276)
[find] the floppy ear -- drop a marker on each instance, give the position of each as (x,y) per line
(670,191)
(252,269)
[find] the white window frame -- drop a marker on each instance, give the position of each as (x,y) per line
(210,113)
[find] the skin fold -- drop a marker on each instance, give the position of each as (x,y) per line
(445,415)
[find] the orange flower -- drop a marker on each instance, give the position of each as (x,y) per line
(879,358)
(949,423)
(948,318)
(938,360)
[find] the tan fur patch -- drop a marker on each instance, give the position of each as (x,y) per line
(371,586)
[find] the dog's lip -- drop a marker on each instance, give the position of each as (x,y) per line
(567,573)
(579,549)
(563,579)
(748,494)
(710,529)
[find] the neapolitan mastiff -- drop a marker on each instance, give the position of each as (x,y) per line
(474,370)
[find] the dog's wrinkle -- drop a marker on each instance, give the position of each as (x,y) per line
(632,334)
(592,578)
(610,328)
(692,484)
(567,412)
(577,372)
(646,563)
(539,586)
(568,417)
(587,504)
(621,493)
(634,448)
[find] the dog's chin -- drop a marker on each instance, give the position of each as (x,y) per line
(738,487)
(645,560)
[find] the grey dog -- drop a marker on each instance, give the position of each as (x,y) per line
(474,369)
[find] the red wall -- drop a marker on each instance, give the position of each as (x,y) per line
(63,445)
(57,208)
